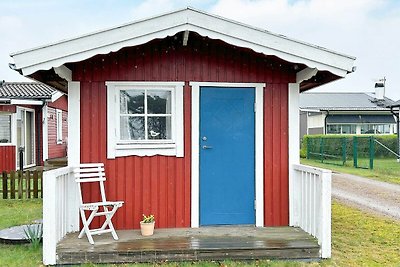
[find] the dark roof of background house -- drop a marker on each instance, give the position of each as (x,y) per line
(25,90)
(343,101)
(396,104)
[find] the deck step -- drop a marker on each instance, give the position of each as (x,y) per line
(214,243)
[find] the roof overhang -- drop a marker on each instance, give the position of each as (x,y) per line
(53,57)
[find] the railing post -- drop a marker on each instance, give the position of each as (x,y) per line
(73,204)
(49,220)
(326,213)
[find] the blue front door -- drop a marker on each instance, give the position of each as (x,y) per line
(226,156)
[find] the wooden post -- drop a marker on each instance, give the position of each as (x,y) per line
(20,185)
(326,213)
(28,184)
(35,185)
(5,185)
(12,184)
(40,178)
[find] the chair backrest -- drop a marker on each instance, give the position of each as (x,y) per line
(91,173)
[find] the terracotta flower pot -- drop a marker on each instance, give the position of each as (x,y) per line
(147,229)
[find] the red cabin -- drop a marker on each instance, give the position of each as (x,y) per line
(195,117)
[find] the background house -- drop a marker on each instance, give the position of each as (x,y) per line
(32,116)
(346,113)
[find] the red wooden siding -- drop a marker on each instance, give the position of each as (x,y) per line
(56,150)
(61,103)
(7,158)
(158,184)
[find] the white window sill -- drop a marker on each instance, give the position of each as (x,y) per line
(7,144)
(145,150)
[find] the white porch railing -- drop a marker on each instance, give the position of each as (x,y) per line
(310,204)
(60,210)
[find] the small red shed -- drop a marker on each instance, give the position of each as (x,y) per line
(195,116)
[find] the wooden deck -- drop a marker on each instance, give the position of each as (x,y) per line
(191,244)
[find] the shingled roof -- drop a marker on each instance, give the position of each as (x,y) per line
(343,101)
(25,90)
(396,104)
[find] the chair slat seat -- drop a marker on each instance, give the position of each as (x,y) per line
(96,205)
(95,173)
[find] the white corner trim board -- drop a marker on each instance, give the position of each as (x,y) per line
(294,146)
(259,148)
(74,123)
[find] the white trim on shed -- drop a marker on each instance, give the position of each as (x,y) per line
(55,55)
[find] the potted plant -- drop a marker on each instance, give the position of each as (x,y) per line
(147,225)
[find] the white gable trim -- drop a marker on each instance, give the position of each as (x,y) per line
(140,32)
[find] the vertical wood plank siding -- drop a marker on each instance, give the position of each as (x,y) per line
(56,150)
(7,158)
(159,184)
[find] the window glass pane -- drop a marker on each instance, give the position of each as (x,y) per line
(158,102)
(132,128)
(5,128)
(333,129)
(348,129)
(383,129)
(367,129)
(131,101)
(159,127)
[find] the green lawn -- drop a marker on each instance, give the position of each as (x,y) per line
(358,239)
(17,212)
(387,170)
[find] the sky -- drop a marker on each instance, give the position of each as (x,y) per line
(366,29)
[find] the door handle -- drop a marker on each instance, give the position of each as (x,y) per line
(207,147)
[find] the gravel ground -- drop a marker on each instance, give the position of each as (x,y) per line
(369,195)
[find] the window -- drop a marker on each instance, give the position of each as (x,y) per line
(5,128)
(59,126)
(144,118)
(341,129)
(375,129)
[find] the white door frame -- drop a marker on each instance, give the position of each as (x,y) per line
(259,148)
(24,135)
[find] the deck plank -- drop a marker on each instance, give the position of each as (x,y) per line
(186,244)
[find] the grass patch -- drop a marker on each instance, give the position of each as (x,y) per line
(385,170)
(358,239)
(17,212)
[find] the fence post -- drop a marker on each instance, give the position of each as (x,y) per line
(371,152)
(344,148)
(355,147)
(326,213)
(50,220)
(5,185)
(20,178)
(35,185)
(321,149)
(27,184)
(12,184)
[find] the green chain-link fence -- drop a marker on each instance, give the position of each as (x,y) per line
(358,150)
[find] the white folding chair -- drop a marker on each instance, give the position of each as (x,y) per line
(94,173)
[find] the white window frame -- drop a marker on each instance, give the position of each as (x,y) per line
(59,127)
(12,129)
(117,148)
